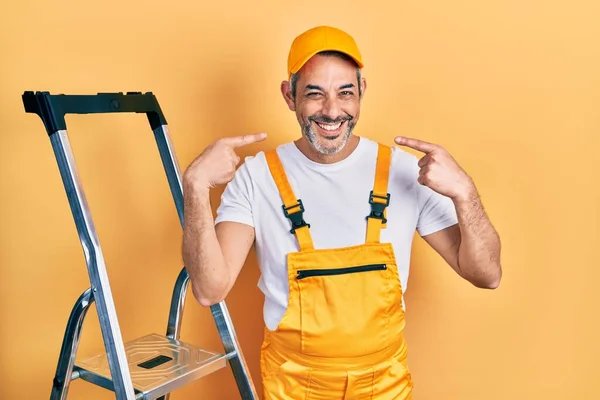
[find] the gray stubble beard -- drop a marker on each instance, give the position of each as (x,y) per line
(311,136)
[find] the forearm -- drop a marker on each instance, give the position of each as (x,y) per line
(479,251)
(202,254)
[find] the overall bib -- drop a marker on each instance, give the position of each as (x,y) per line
(342,334)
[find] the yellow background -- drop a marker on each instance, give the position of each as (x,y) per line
(511,88)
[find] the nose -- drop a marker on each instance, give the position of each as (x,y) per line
(332,108)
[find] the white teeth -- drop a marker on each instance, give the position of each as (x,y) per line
(330,127)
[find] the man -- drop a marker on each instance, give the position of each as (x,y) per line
(332,216)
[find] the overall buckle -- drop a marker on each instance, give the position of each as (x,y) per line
(377,209)
(296,217)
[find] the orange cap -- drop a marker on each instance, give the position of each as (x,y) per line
(321,38)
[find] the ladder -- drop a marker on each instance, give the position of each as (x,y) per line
(154,365)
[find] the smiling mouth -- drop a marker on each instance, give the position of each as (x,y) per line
(330,129)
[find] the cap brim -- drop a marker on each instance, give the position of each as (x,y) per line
(303,61)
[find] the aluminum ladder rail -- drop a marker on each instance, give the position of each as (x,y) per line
(154,365)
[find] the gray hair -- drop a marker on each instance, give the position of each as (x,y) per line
(295,76)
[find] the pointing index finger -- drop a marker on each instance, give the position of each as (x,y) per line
(239,141)
(416,144)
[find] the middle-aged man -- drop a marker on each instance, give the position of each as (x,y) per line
(332,216)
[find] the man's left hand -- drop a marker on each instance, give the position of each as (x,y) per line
(439,171)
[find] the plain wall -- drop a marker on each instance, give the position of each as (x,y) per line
(510,88)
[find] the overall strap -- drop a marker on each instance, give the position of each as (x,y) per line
(292,207)
(379,198)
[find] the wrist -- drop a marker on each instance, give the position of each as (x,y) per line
(466,196)
(195,187)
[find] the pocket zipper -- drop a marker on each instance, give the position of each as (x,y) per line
(339,271)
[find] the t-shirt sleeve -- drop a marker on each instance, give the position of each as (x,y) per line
(436,212)
(236,200)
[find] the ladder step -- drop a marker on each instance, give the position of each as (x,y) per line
(158,365)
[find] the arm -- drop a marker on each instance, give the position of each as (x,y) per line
(472,247)
(213,256)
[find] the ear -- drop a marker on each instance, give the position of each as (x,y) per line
(363,87)
(286,91)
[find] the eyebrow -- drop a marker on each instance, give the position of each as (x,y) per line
(316,87)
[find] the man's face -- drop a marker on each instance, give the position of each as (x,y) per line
(327,102)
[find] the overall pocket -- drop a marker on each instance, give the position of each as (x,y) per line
(307,273)
(288,381)
(392,380)
(345,311)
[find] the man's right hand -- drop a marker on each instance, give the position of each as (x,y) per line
(213,256)
(217,164)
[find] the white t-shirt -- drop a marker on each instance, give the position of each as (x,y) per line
(336,202)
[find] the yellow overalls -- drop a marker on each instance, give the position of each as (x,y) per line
(342,334)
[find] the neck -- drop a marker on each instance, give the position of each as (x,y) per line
(312,154)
